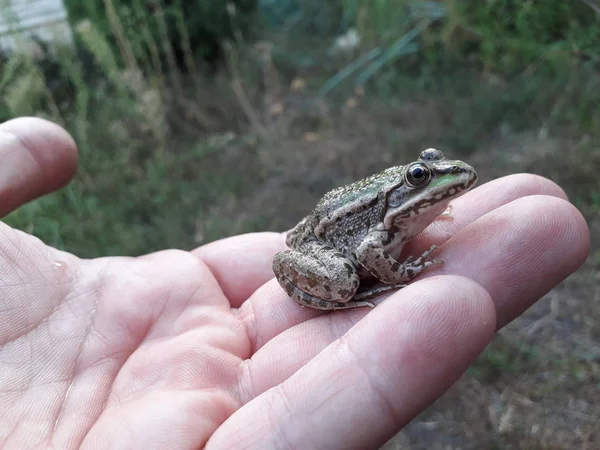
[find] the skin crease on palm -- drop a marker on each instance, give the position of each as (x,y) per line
(203,349)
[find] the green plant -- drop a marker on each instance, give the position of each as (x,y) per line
(389,30)
(510,34)
(168,30)
(506,37)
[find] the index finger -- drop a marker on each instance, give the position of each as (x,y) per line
(37,157)
(241,264)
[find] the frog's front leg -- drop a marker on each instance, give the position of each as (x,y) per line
(318,276)
(372,255)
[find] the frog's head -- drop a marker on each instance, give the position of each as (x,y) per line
(426,188)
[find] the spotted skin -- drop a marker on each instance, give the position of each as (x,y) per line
(329,279)
(355,234)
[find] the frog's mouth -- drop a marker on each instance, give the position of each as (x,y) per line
(453,175)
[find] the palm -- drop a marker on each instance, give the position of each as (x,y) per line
(152,339)
(182,350)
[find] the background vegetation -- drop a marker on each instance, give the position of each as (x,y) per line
(199,120)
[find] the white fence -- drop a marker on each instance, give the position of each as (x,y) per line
(22,20)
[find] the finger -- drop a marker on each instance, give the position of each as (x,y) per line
(37,157)
(480,201)
(516,266)
(242,263)
(366,386)
(520,251)
(270,311)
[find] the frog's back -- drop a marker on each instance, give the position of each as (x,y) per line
(345,215)
(360,192)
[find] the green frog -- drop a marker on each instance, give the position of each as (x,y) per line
(344,253)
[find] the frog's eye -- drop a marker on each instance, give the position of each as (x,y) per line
(417,175)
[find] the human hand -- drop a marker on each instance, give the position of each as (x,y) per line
(204,349)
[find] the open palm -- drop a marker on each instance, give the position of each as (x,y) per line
(204,349)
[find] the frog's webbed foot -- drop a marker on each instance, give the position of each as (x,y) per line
(388,270)
(413,266)
(411,260)
(408,270)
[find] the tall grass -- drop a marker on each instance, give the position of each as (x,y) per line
(132,72)
(145,121)
(149,132)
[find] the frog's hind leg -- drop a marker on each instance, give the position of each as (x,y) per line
(304,299)
(319,277)
(371,293)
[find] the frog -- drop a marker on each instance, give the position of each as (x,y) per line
(345,252)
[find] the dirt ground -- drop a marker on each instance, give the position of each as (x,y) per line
(537,386)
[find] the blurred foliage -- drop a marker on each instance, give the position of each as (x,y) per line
(142,110)
(508,35)
(374,38)
(197,26)
(303,17)
(130,200)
